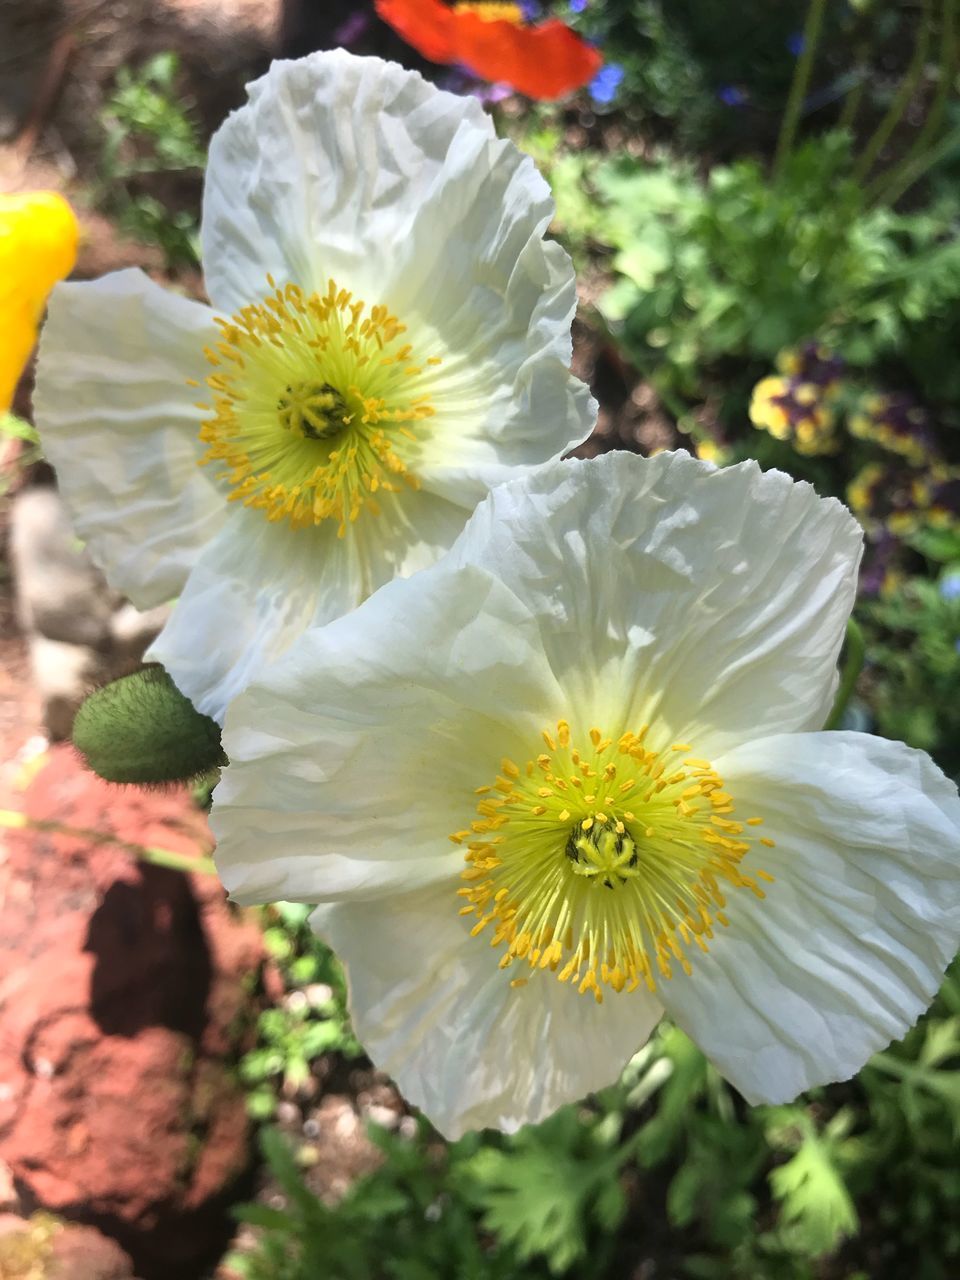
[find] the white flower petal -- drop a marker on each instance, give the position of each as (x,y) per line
(317,175)
(851,942)
(253,591)
(432,1008)
(354,760)
(713,602)
(404,196)
(258,585)
(118,422)
(346,167)
(502,311)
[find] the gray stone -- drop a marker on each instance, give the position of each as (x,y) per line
(132,629)
(64,674)
(60,593)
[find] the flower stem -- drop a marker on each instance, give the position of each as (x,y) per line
(890,186)
(855,651)
(901,99)
(146,853)
(919,165)
(945,73)
(800,83)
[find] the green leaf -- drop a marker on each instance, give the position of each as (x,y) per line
(541,1195)
(814,1199)
(18,429)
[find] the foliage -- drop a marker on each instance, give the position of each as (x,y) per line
(543,1191)
(309,1020)
(689,64)
(401,1223)
(738,266)
(150,139)
(914,651)
(855,1180)
(13,427)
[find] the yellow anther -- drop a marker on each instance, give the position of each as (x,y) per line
(661,866)
(305,425)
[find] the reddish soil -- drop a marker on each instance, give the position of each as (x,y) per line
(124,1005)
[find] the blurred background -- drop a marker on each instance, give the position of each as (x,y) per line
(762,203)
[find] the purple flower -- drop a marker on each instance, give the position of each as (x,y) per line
(578,6)
(606,83)
(531,10)
(796,43)
(896,421)
(732,96)
(950,587)
(354,27)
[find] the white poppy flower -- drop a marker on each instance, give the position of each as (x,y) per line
(389,338)
(570,778)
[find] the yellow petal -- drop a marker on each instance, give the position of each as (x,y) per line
(38,247)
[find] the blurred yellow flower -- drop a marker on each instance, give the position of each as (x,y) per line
(711,451)
(38,247)
(796,412)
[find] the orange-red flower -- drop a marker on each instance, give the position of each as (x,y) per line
(543,61)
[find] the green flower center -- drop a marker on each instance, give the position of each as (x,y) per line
(318,406)
(605,864)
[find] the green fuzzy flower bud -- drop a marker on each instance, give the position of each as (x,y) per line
(141,729)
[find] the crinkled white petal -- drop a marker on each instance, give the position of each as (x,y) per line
(432,1008)
(476,270)
(118,422)
(258,585)
(712,603)
(318,173)
(355,169)
(353,760)
(851,942)
(343,167)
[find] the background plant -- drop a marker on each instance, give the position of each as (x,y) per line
(151,160)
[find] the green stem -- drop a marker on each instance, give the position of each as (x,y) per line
(945,73)
(686,422)
(862,40)
(905,178)
(801,81)
(901,100)
(891,181)
(146,853)
(856,650)
(851,104)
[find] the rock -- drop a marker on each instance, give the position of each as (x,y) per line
(82,1253)
(125,1002)
(25,1245)
(42,1248)
(9,1200)
(63,674)
(339,1150)
(132,630)
(60,593)
(80,632)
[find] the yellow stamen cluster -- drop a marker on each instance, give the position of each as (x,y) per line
(317,404)
(490,11)
(604,864)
